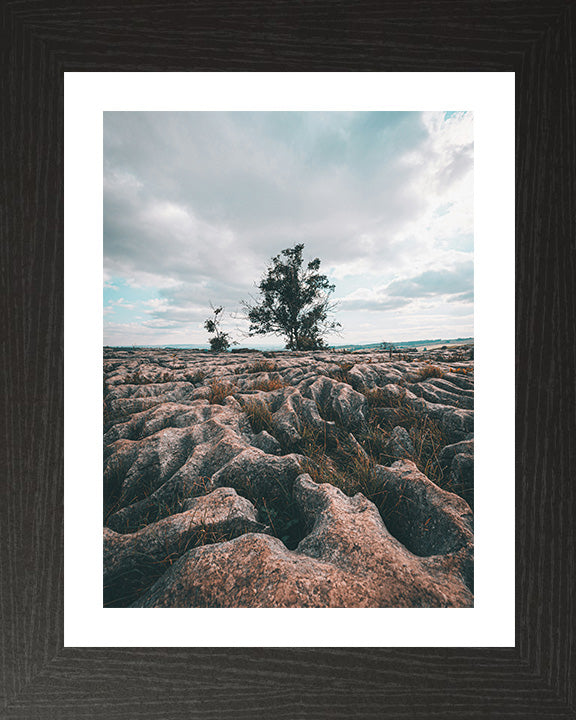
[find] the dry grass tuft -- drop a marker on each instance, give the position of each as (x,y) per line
(157,511)
(219,391)
(195,376)
(462,370)
(426,435)
(340,373)
(341,464)
(429,371)
(377,397)
(274,383)
(374,441)
(259,417)
(428,441)
(257,367)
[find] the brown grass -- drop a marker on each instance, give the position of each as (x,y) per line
(428,440)
(267,385)
(219,391)
(257,367)
(426,434)
(341,465)
(461,370)
(429,371)
(157,511)
(259,417)
(340,373)
(374,440)
(377,397)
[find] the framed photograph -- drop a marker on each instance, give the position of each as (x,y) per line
(286,442)
(88,90)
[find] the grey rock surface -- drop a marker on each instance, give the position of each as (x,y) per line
(400,444)
(220,514)
(348,559)
(207,500)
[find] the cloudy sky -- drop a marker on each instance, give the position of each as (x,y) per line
(196,204)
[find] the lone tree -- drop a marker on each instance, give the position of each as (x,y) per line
(221,340)
(294,302)
(388,346)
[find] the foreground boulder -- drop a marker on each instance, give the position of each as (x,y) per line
(348,559)
(425,518)
(457,462)
(131,558)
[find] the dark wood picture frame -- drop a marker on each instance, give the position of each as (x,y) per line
(41,39)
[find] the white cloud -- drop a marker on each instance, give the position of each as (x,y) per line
(447,281)
(372,300)
(156,305)
(196,204)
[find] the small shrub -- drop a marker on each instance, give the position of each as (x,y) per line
(221,340)
(219,343)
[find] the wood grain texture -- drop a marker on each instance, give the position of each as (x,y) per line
(42,39)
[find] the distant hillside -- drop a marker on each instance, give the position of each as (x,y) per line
(369,346)
(409,343)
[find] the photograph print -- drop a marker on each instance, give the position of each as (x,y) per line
(288,389)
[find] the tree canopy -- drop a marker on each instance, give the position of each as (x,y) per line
(294,302)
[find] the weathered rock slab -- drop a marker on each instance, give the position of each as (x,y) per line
(205,461)
(349,559)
